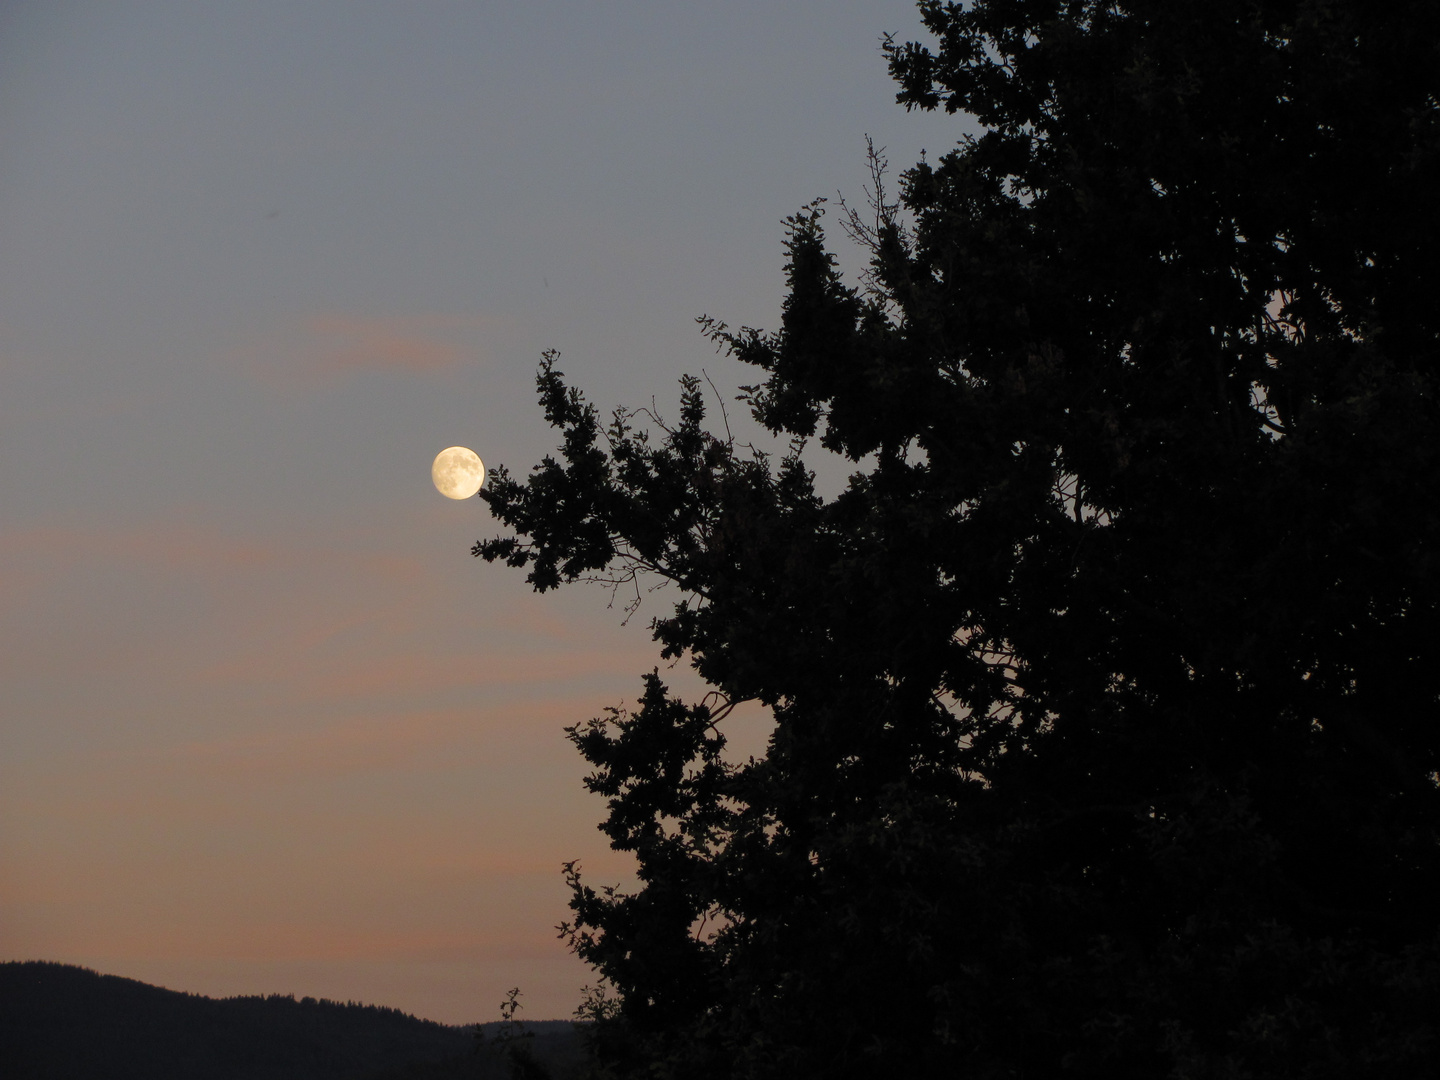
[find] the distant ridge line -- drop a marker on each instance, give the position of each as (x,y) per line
(61,1022)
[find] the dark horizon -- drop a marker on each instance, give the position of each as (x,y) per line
(135,1029)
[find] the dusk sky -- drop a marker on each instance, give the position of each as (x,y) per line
(265,724)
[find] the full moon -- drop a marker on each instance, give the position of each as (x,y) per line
(458,472)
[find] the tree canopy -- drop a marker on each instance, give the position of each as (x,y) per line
(1105,693)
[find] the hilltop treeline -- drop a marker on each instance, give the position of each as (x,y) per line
(59,1022)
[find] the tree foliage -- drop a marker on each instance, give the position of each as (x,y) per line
(1106,713)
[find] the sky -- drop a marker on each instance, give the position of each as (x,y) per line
(265,724)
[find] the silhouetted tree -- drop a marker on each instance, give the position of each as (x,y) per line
(511,1042)
(1106,734)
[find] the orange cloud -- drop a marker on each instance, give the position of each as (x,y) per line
(377,345)
(398,673)
(35,557)
(427,738)
(324,346)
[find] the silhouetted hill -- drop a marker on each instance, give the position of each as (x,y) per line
(59,1022)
